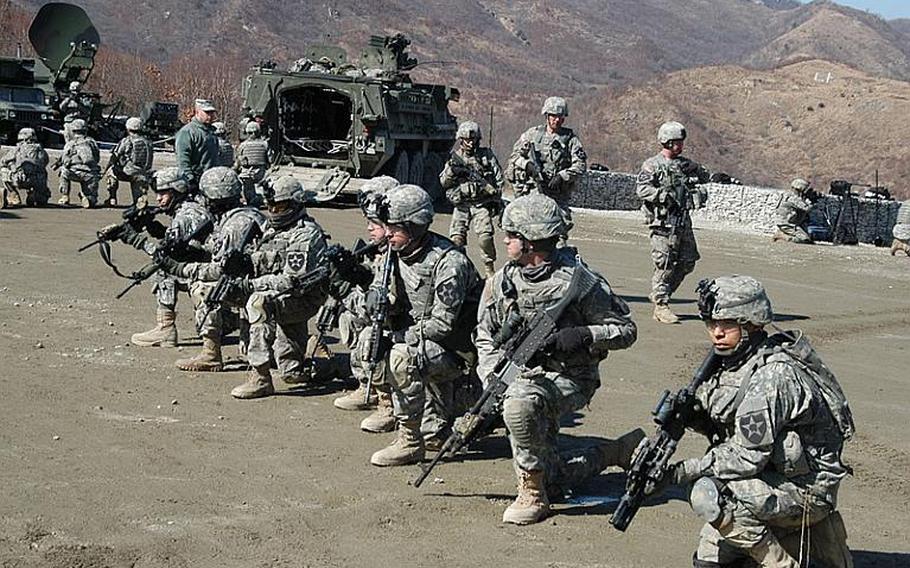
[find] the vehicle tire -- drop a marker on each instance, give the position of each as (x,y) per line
(415,169)
(400,168)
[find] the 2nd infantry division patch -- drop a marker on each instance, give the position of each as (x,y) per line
(447,292)
(296,261)
(755,428)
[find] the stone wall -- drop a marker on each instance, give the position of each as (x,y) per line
(740,207)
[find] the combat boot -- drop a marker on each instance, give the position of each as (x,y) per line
(13,199)
(621,450)
(898,245)
(779,236)
(664,314)
(112,201)
(532,504)
(257,385)
(64,200)
(208,360)
(354,400)
(382,419)
(489,268)
(164,334)
(407,449)
(87,202)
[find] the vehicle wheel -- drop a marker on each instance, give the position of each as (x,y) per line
(401,168)
(432,168)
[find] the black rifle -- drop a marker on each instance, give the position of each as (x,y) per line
(517,352)
(326,321)
(136,217)
(378,319)
(236,264)
(674,412)
(166,247)
(470,171)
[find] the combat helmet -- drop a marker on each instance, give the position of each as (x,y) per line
(671,130)
(370,196)
(219,128)
(252,127)
(555,105)
(75,85)
(285,188)
(738,298)
(134,124)
(407,204)
(77,125)
(285,197)
(468,130)
(799,185)
(169,179)
(26,134)
(535,217)
(220,183)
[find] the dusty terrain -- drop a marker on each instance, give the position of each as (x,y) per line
(109,456)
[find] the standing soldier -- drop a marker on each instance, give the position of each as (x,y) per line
(473,182)
(131,160)
(79,162)
(189,216)
(225,148)
(777,420)
(565,378)
(25,168)
(548,158)
(667,188)
(901,230)
(435,289)
(74,105)
(252,162)
(792,215)
(195,145)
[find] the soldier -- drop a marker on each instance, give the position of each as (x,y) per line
(548,158)
(235,229)
(901,230)
(74,105)
(435,289)
(225,148)
(777,420)
(25,168)
(565,378)
(792,215)
(666,186)
(79,162)
(277,309)
(195,145)
(354,318)
(188,215)
(131,161)
(473,182)
(252,162)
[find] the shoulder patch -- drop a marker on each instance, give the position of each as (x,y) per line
(447,292)
(296,261)
(755,429)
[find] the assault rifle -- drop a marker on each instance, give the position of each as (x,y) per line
(236,264)
(166,247)
(674,412)
(472,173)
(137,217)
(525,343)
(378,319)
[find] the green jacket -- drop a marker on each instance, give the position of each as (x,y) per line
(196,149)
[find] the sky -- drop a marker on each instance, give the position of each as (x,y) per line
(888,9)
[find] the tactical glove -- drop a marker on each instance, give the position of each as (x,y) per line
(570,340)
(555,183)
(240,290)
(111,232)
(168,264)
(155,229)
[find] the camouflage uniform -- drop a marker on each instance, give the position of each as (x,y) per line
(776,455)
(673,248)
(79,162)
(25,168)
(435,290)
(132,161)
(792,215)
(225,148)
(252,162)
(476,203)
(560,383)
(196,150)
(74,105)
(901,230)
(548,163)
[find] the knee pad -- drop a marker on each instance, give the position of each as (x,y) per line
(707,501)
(521,418)
(255,308)
(400,371)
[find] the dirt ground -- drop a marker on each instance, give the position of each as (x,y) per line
(110,456)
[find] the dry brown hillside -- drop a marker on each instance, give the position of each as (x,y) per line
(763,126)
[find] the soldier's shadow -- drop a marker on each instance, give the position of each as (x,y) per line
(872,559)
(312,389)
(9,215)
(601,495)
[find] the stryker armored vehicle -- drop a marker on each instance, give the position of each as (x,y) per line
(333,122)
